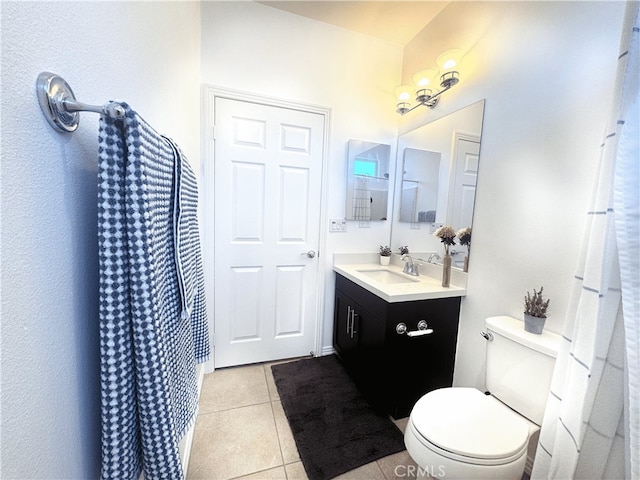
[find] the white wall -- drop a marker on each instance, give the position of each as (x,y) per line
(546,70)
(250,47)
(147,54)
(537,64)
(541,67)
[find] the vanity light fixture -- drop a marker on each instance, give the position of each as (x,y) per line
(425,80)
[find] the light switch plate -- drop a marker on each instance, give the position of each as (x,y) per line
(338,225)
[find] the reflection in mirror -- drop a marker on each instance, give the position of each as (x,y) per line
(437,171)
(419,194)
(367,180)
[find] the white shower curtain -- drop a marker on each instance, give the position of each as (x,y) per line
(627,220)
(594,404)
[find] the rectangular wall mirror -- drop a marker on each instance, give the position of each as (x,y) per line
(367,180)
(437,169)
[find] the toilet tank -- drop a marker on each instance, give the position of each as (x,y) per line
(520,365)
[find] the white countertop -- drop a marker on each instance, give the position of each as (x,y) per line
(422,287)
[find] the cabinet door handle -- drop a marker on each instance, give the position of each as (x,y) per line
(348,318)
(353,322)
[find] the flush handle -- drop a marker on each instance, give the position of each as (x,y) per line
(487,336)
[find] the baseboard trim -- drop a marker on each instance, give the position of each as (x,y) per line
(327,350)
(187,439)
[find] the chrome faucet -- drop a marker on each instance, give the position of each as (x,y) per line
(410,267)
(432,256)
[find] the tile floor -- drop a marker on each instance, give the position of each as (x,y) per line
(242,433)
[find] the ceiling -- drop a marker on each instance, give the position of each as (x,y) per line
(394,21)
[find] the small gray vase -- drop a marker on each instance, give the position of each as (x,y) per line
(534,324)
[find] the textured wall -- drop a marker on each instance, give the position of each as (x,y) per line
(536,63)
(539,66)
(147,54)
(250,47)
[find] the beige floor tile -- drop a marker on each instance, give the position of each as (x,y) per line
(398,466)
(273,391)
(271,384)
(231,443)
(271,474)
(287,443)
(233,387)
(296,471)
(401,423)
(370,471)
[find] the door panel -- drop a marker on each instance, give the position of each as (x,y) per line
(245,303)
(289,301)
(248,215)
(465,175)
(294,204)
(268,177)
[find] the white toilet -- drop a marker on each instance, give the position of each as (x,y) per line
(463,433)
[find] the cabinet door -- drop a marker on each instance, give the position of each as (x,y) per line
(346,326)
(359,340)
(422,363)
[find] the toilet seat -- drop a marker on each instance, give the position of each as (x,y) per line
(466,425)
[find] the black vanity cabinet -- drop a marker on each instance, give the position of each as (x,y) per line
(393,370)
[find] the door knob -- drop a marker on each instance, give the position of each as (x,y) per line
(310,253)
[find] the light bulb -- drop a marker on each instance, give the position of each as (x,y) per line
(404,93)
(425,78)
(449,60)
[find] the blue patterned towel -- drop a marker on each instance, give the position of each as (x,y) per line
(185,226)
(147,226)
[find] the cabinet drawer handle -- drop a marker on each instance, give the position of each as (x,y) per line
(423,329)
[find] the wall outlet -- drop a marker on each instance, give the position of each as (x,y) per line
(338,225)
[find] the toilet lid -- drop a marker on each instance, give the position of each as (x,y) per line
(467,422)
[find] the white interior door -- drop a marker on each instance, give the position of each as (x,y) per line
(268,178)
(465,177)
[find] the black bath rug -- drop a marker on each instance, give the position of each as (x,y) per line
(335,429)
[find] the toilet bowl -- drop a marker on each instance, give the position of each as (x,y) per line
(463,433)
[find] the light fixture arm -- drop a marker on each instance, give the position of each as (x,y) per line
(423,98)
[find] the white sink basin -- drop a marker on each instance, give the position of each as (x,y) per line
(386,276)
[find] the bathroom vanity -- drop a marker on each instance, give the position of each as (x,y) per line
(393,358)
